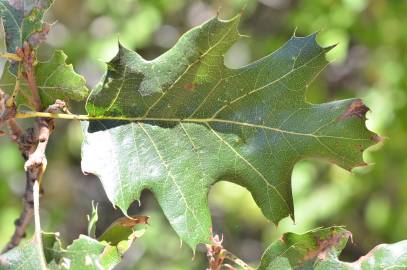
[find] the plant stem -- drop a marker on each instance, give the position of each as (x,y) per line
(25,218)
(37,222)
(29,59)
(10,56)
(218,255)
(11,101)
(25,115)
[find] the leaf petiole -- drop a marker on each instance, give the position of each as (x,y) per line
(11,56)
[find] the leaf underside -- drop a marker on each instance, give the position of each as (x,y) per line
(319,249)
(189,121)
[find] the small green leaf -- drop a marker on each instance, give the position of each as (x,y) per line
(92,220)
(319,249)
(55,80)
(83,253)
(123,228)
(188,121)
(52,246)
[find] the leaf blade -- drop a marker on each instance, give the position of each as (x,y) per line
(198,123)
(320,249)
(55,80)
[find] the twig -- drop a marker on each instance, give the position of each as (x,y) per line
(37,222)
(32,146)
(22,140)
(28,57)
(38,231)
(25,218)
(217,255)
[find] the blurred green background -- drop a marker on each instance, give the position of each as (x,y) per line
(369,62)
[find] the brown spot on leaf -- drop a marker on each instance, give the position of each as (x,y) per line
(361,164)
(190,86)
(360,147)
(356,108)
(324,245)
(38,37)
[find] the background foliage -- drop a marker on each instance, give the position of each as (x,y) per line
(369,62)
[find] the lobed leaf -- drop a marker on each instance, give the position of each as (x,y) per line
(188,121)
(319,249)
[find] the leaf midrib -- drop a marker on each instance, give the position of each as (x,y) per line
(204,121)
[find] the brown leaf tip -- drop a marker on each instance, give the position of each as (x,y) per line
(133,221)
(356,108)
(376,138)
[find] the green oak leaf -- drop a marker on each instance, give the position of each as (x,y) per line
(123,227)
(55,80)
(23,21)
(319,249)
(187,121)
